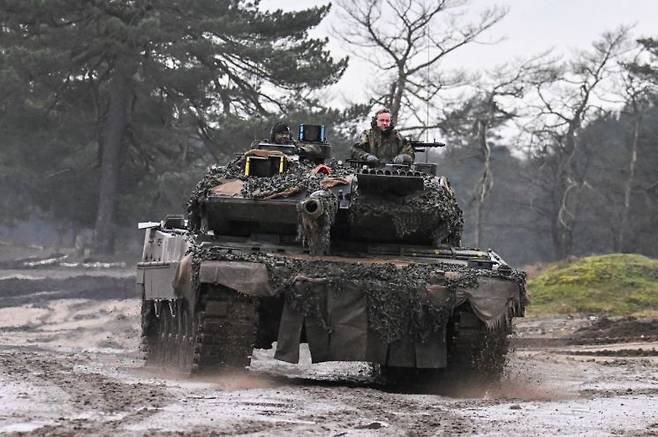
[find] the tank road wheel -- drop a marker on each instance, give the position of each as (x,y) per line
(476,353)
(226,329)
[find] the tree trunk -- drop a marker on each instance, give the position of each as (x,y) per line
(59,243)
(563,242)
(563,220)
(396,104)
(114,128)
(628,185)
(558,249)
(478,220)
(486,181)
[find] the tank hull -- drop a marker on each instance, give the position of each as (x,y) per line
(207,309)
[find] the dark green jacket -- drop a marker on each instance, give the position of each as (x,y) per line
(385,145)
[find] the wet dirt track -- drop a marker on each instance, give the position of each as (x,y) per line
(71,366)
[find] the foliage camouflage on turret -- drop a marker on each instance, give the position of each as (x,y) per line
(421,211)
(298,175)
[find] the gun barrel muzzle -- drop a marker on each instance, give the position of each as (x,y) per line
(312,207)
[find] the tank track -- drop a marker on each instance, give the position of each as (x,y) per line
(218,332)
(226,333)
(476,353)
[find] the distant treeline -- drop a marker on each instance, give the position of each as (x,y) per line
(111,111)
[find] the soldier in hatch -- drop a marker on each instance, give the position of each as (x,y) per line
(382,143)
(280,134)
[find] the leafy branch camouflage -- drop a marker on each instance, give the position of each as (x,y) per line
(315,232)
(433,210)
(297,177)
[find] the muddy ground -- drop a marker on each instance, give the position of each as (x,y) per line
(70,365)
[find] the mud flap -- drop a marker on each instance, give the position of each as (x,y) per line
(493,301)
(377,349)
(317,335)
(348,322)
(432,354)
(407,352)
(340,332)
(402,353)
(342,337)
(429,353)
(290,330)
(157,280)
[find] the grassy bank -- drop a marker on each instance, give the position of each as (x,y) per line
(617,284)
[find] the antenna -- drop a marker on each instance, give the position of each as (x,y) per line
(427,88)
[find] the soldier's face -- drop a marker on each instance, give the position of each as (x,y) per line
(384,120)
(282,138)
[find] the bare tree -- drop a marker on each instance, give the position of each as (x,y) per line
(566,101)
(636,93)
(405,39)
(483,115)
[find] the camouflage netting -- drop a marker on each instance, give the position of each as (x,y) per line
(315,232)
(397,301)
(433,211)
(297,178)
(213,177)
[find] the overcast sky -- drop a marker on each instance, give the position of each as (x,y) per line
(530,27)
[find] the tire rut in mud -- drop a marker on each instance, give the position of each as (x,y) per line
(366,409)
(88,393)
(19,291)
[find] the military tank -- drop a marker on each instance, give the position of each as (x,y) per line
(285,244)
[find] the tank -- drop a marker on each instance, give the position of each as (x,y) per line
(285,244)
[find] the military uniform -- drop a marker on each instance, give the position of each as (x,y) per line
(312,152)
(386,145)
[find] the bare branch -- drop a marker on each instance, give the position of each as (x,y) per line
(409,37)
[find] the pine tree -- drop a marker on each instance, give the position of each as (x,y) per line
(129,76)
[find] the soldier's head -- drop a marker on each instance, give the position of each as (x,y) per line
(382,119)
(280,134)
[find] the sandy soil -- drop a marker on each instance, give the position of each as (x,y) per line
(70,365)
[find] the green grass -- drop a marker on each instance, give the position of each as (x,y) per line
(616,284)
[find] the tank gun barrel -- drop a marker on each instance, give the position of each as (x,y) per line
(420,146)
(312,207)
